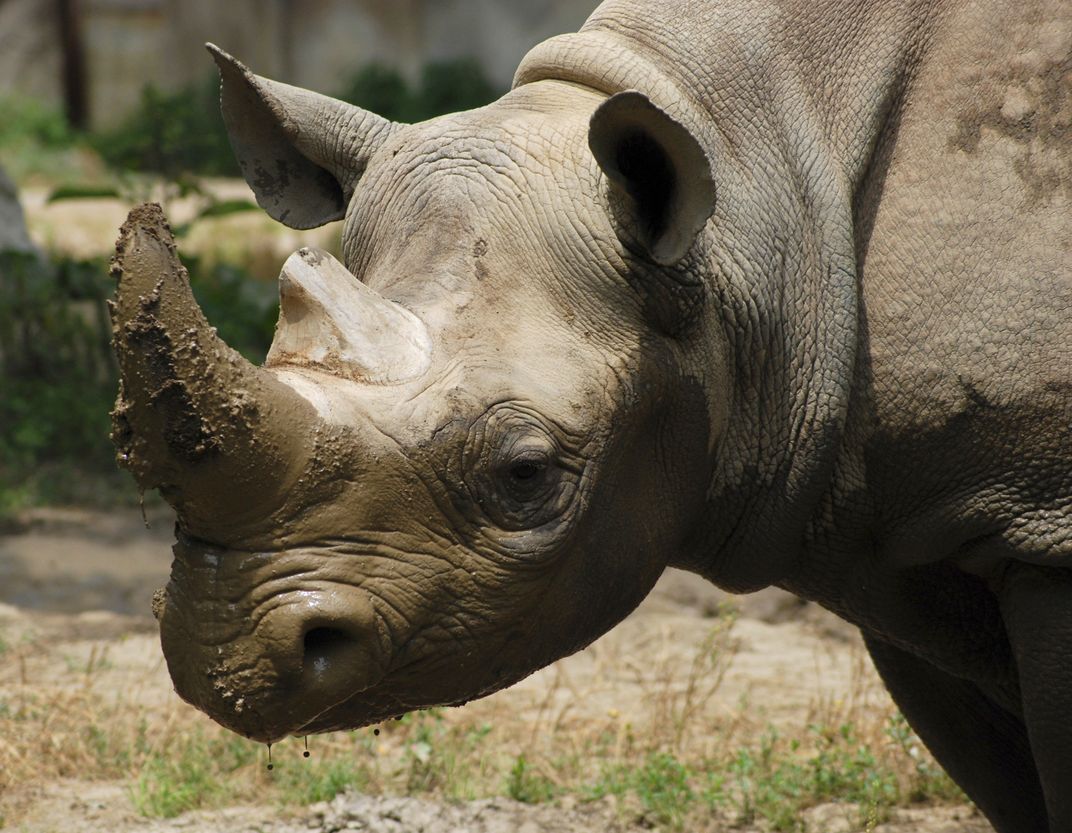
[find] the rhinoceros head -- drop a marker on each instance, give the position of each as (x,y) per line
(472,448)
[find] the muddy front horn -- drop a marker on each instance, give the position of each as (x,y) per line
(221,439)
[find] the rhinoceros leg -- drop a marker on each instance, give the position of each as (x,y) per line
(981,745)
(1036,604)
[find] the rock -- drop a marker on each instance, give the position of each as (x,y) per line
(13,235)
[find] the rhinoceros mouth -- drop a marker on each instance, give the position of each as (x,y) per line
(389,701)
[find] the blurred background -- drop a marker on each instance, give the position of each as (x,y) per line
(106,103)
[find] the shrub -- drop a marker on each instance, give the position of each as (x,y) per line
(379,89)
(171,133)
(35,140)
(526,785)
(179,134)
(27,120)
(447,86)
(56,364)
(59,376)
(444,87)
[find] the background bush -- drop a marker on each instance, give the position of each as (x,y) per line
(380,89)
(27,120)
(173,134)
(57,369)
(179,134)
(447,86)
(182,133)
(59,375)
(444,87)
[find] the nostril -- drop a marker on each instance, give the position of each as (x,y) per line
(325,649)
(324,643)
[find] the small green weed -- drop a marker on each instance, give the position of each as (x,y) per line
(660,784)
(846,769)
(445,758)
(773,782)
(928,782)
(527,785)
(314,781)
(777,781)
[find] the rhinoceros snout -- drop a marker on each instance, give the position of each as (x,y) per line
(268,665)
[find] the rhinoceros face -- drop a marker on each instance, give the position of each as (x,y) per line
(471,450)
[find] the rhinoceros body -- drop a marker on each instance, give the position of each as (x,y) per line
(776,292)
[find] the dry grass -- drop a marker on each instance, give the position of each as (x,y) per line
(679,758)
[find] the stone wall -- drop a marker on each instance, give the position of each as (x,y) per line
(312,43)
(29,51)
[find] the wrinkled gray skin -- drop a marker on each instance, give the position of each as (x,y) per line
(797,311)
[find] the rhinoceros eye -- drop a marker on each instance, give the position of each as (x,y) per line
(516,471)
(525,475)
(524,466)
(526,471)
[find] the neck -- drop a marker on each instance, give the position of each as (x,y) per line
(792,103)
(855,61)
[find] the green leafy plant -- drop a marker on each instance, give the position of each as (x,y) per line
(443,87)
(527,785)
(321,780)
(443,758)
(29,120)
(777,781)
(59,376)
(928,781)
(661,785)
(171,133)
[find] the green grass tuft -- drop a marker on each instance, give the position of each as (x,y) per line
(527,785)
(307,782)
(192,772)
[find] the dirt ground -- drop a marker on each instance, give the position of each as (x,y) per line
(84,581)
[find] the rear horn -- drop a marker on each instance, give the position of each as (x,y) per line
(331,321)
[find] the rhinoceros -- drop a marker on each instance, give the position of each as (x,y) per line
(775,292)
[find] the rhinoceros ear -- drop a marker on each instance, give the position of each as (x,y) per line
(660,179)
(302,153)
